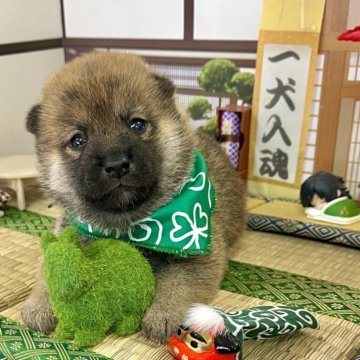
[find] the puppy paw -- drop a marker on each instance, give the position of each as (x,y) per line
(159,324)
(38,316)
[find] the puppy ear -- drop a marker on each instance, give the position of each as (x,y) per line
(165,85)
(32,119)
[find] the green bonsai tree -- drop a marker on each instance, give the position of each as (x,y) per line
(210,127)
(242,84)
(198,108)
(216,74)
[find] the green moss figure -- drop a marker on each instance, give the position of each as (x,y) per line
(94,289)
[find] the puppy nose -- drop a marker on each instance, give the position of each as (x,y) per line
(117,167)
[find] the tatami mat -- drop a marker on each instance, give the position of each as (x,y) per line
(19,256)
(253,203)
(324,261)
(335,340)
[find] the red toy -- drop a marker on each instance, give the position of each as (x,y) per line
(213,334)
(202,345)
(351,35)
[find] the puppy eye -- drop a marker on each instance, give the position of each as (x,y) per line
(138,125)
(78,141)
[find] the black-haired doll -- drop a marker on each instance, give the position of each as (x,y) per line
(325,197)
(320,188)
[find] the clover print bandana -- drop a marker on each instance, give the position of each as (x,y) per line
(182,227)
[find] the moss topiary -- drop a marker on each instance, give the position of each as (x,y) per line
(104,286)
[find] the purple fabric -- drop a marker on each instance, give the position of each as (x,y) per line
(230,125)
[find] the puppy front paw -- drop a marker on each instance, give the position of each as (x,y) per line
(38,316)
(159,324)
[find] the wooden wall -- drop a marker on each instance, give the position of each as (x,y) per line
(30,49)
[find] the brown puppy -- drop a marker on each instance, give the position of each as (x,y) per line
(113,146)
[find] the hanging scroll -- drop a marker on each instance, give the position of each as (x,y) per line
(287,54)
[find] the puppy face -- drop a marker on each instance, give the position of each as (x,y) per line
(111,142)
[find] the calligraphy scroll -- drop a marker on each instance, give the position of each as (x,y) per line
(285,70)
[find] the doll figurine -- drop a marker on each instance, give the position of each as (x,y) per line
(326,198)
(4,198)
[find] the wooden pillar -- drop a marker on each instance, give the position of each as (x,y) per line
(335,63)
(334,23)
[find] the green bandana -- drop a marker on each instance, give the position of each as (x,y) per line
(182,227)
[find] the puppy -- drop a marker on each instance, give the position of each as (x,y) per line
(113,146)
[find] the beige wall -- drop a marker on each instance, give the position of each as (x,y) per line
(141,19)
(21,78)
(162,19)
(21,75)
(27,20)
(227,19)
(354,14)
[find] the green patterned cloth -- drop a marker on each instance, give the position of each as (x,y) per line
(19,343)
(26,222)
(318,296)
(264,322)
(324,232)
(182,227)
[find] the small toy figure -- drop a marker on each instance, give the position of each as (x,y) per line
(4,198)
(326,198)
(213,334)
(320,188)
(105,285)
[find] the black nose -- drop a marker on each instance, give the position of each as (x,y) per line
(117,167)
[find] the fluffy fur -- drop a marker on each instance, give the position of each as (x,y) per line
(99,97)
(201,317)
(91,290)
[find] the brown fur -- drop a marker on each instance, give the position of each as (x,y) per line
(99,93)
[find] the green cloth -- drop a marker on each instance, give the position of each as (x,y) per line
(264,322)
(342,207)
(182,227)
(19,343)
(320,296)
(26,222)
